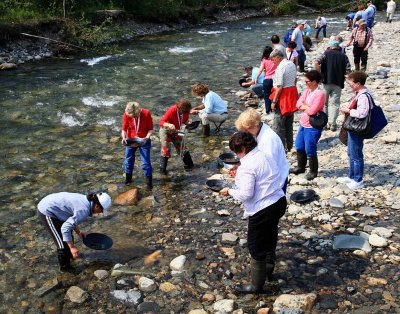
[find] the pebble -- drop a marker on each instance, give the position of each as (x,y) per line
(224,306)
(147,284)
(76,295)
(229,238)
(377,241)
(178,263)
(101,274)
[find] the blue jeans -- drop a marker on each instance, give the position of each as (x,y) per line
(355,146)
(144,152)
(323,31)
(267,87)
(258,89)
(307,139)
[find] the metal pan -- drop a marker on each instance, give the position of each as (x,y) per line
(303,196)
(217,185)
(228,158)
(193,125)
(98,241)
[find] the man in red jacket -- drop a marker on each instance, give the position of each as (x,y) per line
(171,123)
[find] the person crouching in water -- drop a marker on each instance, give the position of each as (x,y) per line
(137,122)
(264,204)
(61,213)
(213,107)
(172,124)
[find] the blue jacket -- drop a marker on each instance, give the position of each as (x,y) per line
(71,208)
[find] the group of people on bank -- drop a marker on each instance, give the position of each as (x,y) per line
(262,177)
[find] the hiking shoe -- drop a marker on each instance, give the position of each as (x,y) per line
(353,185)
(344,180)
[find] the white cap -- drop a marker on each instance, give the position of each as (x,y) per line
(105,202)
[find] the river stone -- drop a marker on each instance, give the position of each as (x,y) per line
(167,287)
(47,287)
(7,66)
(392,138)
(178,262)
(377,241)
(223,212)
(229,238)
(304,302)
(147,284)
(383,232)
(76,295)
(336,203)
(127,198)
(198,311)
(224,306)
(264,310)
(101,274)
(368,211)
(148,308)
(344,241)
(372,281)
(131,297)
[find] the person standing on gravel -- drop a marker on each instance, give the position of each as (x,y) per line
(61,213)
(264,204)
(371,11)
(391,8)
(333,66)
(297,36)
(320,24)
(362,39)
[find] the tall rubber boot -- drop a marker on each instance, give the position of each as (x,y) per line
(363,67)
(187,160)
(387,19)
(64,260)
(357,67)
(258,273)
(163,165)
(128,178)
(206,130)
(313,163)
(270,265)
(149,182)
(301,163)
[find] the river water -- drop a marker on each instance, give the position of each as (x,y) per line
(61,118)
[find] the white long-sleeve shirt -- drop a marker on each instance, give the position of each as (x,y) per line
(270,144)
(256,182)
(391,7)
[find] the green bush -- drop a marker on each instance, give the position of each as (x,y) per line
(284,7)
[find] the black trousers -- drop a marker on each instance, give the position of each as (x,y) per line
(360,54)
(262,234)
(53,226)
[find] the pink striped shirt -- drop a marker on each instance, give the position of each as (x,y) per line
(269,68)
(315,101)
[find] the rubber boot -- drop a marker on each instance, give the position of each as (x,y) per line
(258,273)
(390,21)
(64,260)
(387,19)
(364,67)
(301,163)
(128,178)
(206,129)
(149,182)
(187,160)
(313,163)
(357,67)
(270,265)
(163,165)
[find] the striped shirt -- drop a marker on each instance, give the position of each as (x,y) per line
(285,74)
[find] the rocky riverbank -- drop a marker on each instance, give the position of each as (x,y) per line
(16,49)
(185,246)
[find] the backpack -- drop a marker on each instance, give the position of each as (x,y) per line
(288,36)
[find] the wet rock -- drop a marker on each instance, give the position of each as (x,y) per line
(127,198)
(224,306)
(336,203)
(167,287)
(228,251)
(48,286)
(198,311)
(223,212)
(147,284)
(377,241)
(101,274)
(130,297)
(304,302)
(178,263)
(264,310)
(76,295)
(7,66)
(208,298)
(229,238)
(344,241)
(148,308)
(376,281)
(328,302)
(149,259)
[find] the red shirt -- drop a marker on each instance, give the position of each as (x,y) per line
(143,124)
(171,116)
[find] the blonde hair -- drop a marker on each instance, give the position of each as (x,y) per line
(248,119)
(132,108)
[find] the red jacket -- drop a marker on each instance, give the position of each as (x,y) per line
(171,116)
(144,123)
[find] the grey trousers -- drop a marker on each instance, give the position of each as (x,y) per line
(283,126)
(206,118)
(332,104)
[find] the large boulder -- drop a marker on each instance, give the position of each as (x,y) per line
(127,198)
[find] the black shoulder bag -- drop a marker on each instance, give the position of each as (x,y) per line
(360,127)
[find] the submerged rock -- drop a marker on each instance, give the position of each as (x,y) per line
(344,241)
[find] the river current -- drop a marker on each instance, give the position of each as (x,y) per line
(60,119)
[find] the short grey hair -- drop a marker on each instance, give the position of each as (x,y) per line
(276,53)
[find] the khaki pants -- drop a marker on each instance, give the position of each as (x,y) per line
(332,104)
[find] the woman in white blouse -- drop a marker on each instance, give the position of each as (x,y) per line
(264,204)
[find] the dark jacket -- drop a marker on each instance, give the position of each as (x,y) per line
(333,67)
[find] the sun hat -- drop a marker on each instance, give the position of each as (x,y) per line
(105,202)
(362,22)
(301,22)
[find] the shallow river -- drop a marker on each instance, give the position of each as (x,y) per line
(60,123)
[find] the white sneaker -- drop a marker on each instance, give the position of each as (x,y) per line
(353,185)
(344,180)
